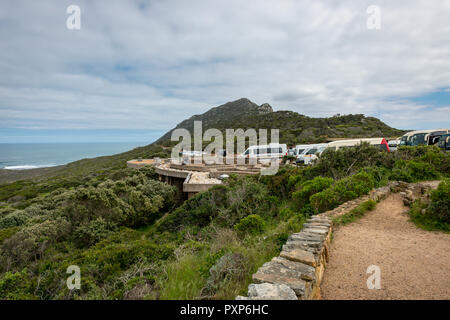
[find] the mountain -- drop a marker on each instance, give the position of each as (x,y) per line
(294,127)
(243,113)
(214,117)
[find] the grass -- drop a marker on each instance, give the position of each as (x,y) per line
(187,275)
(355,213)
(426,221)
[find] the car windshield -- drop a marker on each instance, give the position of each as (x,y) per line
(311,151)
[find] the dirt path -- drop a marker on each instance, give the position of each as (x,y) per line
(415,264)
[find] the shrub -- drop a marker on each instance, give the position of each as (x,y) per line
(230,267)
(92,232)
(355,213)
(434,215)
(226,204)
(7,233)
(105,261)
(310,187)
(411,171)
(31,242)
(440,202)
(252,224)
(16,286)
(343,190)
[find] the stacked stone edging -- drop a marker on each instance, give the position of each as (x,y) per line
(298,270)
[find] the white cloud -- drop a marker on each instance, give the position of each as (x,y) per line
(151,67)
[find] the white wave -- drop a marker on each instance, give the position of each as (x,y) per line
(26,167)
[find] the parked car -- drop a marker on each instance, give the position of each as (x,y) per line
(272,150)
(393,144)
(309,154)
(300,148)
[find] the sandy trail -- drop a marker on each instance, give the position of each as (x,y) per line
(415,264)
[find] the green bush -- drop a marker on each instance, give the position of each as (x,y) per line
(225,204)
(440,202)
(230,267)
(342,191)
(31,242)
(310,187)
(434,215)
(355,213)
(92,232)
(252,224)
(411,171)
(16,286)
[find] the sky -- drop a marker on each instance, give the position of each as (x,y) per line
(137,68)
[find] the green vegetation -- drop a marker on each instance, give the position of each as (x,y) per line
(132,239)
(252,224)
(435,214)
(355,213)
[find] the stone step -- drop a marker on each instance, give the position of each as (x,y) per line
(299,255)
(320,219)
(269,291)
(316,224)
(301,287)
(316,230)
(276,268)
(307,236)
(307,272)
(290,245)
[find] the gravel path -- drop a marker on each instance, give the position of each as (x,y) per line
(415,264)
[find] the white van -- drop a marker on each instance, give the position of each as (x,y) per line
(380,142)
(272,150)
(300,148)
(310,153)
(415,138)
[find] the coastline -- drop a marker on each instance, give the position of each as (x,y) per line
(11,175)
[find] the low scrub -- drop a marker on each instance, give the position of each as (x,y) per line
(342,191)
(252,224)
(434,215)
(355,213)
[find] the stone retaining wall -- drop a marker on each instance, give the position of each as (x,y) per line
(297,272)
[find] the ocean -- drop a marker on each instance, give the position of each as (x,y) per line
(17,156)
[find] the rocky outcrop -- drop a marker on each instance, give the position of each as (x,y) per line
(411,192)
(265,108)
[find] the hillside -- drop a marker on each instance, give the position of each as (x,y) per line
(133,239)
(294,128)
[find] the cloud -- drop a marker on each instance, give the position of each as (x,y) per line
(151,64)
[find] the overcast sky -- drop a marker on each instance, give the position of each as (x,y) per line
(147,65)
